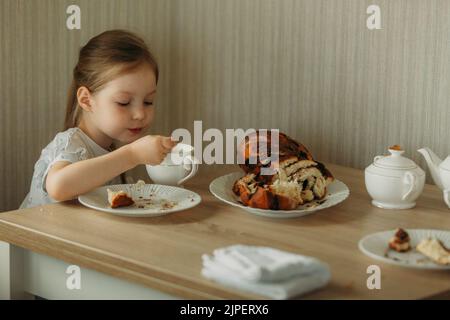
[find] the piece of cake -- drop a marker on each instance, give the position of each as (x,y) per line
(400,241)
(119,199)
(435,250)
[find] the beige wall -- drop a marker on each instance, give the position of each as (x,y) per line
(310,68)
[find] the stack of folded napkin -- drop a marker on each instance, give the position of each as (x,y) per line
(265,271)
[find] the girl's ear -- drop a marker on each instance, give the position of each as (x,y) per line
(84,98)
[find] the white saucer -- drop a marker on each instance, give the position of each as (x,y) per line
(376,246)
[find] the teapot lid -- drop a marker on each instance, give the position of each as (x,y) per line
(395,160)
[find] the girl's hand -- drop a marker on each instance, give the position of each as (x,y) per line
(151,149)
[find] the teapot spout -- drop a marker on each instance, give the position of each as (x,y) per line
(433,162)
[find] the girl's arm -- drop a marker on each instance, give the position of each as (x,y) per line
(66,180)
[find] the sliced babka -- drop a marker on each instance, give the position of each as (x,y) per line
(297,178)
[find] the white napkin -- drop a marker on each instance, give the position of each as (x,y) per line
(264,263)
(265,271)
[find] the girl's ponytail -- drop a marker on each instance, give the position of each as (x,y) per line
(72,109)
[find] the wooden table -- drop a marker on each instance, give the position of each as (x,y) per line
(162,255)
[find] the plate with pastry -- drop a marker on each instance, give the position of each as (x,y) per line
(140,199)
(413,248)
(296,186)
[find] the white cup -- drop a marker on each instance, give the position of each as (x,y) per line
(176,168)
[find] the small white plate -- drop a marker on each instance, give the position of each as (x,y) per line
(156,200)
(222,188)
(376,246)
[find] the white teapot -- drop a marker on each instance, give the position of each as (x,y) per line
(394,181)
(440,171)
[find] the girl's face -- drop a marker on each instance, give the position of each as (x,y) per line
(123,109)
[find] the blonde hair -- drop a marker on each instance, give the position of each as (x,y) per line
(104,57)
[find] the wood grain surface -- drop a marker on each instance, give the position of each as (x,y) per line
(165,252)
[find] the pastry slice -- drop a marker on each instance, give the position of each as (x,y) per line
(119,199)
(435,250)
(400,241)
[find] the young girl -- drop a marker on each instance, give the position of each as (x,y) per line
(110,100)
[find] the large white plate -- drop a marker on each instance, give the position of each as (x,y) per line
(161,195)
(376,246)
(222,187)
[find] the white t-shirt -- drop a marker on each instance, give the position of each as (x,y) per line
(71,145)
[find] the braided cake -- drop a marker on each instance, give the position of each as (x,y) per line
(296,180)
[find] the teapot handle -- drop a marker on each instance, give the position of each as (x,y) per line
(446,197)
(189,163)
(376,158)
(410,179)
